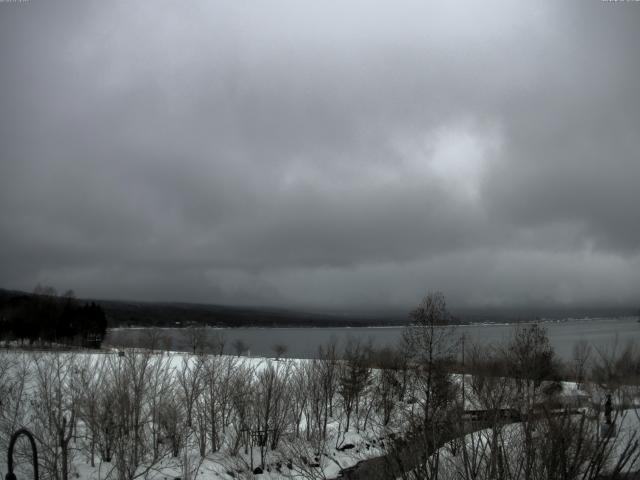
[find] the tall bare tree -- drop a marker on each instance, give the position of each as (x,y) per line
(55,412)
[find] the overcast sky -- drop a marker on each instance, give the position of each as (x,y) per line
(334,154)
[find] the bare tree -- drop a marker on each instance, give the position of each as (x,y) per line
(325,381)
(430,345)
(300,379)
(197,339)
(242,389)
(279,350)
(55,409)
(547,442)
(217,341)
(531,361)
(272,400)
(580,360)
(354,378)
(154,339)
(91,378)
(190,383)
(171,420)
(240,347)
(218,375)
(15,406)
(162,379)
(128,421)
(316,407)
(389,382)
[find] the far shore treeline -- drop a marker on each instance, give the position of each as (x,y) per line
(123,313)
(46,318)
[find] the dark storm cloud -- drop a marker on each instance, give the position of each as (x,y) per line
(338,154)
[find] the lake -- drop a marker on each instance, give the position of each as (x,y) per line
(602,333)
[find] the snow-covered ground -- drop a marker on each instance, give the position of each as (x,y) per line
(294,457)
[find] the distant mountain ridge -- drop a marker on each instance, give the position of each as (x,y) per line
(123,313)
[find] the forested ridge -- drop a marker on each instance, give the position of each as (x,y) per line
(46,318)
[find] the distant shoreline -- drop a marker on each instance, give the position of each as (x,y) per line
(388,326)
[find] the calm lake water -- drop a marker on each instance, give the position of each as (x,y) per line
(604,333)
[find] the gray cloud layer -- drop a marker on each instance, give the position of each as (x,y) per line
(335,154)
